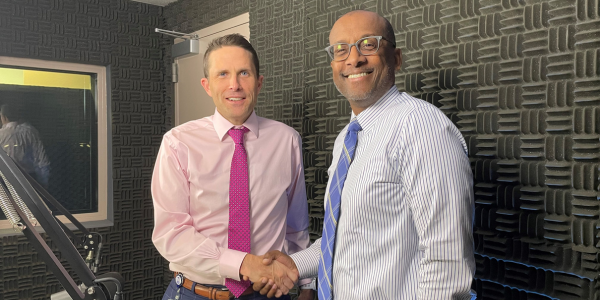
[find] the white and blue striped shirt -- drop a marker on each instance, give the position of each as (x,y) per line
(405,226)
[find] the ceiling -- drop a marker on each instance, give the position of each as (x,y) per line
(156,2)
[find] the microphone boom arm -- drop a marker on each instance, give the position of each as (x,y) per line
(13,177)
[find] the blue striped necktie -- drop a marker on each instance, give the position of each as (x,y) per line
(332,211)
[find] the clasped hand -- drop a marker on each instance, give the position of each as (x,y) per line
(273,274)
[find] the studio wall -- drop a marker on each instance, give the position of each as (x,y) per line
(119,34)
(520,79)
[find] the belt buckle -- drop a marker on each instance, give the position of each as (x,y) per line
(226,290)
(179,280)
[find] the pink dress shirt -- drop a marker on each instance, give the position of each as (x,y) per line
(190,189)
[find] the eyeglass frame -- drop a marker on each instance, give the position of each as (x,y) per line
(378,37)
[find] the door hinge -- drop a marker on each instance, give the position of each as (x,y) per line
(175,69)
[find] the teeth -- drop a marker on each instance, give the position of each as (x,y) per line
(235,99)
(357,75)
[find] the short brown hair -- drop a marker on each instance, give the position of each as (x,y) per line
(234,39)
(10,112)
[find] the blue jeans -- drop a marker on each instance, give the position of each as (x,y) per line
(185,294)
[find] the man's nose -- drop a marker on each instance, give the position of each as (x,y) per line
(234,83)
(355,57)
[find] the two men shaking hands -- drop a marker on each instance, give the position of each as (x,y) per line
(230,200)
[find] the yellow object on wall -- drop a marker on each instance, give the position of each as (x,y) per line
(44,78)
(11,76)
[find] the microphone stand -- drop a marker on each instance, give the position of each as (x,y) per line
(22,200)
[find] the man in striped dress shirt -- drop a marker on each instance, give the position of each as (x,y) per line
(404,229)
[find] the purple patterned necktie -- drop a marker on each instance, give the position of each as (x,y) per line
(239,205)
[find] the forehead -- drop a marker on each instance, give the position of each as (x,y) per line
(230,57)
(351,27)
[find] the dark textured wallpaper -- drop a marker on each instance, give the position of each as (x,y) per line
(520,79)
(192,15)
(119,34)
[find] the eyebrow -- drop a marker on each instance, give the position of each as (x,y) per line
(240,70)
(364,36)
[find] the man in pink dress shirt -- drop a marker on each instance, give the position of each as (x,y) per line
(191,184)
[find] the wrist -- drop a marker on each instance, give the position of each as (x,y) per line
(246,265)
(309,286)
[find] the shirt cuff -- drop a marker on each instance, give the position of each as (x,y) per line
(307,261)
(230,263)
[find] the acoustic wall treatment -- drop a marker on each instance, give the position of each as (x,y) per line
(520,79)
(119,34)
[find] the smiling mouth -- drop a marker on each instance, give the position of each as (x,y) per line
(235,99)
(358,75)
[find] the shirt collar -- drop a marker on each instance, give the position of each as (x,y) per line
(223,125)
(10,125)
(367,117)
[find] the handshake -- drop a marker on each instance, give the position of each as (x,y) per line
(273,274)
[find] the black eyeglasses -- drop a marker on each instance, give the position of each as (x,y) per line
(365,46)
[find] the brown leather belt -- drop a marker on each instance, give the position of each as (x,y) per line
(211,292)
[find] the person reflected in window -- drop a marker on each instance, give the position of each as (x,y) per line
(21,141)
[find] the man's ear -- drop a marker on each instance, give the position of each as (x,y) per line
(259,83)
(397,59)
(205,85)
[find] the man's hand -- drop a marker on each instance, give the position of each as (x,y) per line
(269,287)
(254,269)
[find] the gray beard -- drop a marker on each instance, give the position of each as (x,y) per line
(358,98)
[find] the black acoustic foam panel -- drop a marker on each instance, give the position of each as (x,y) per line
(119,34)
(521,80)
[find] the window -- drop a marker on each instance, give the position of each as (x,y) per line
(63,108)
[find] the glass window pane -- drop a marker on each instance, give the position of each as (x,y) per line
(53,126)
